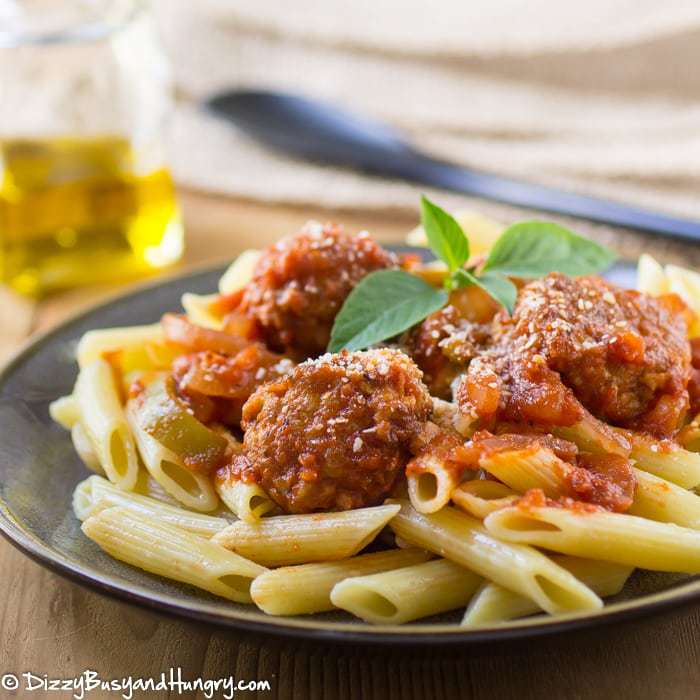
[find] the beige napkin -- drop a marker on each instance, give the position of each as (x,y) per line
(600,97)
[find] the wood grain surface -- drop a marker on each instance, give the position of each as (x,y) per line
(51,626)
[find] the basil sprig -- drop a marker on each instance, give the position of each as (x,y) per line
(388,302)
(383,305)
(535,248)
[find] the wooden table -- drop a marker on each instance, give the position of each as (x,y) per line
(51,626)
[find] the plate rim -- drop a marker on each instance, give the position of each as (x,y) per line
(297,627)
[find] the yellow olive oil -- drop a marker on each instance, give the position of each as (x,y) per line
(77,211)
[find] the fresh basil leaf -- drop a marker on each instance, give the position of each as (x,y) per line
(445,235)
(382,305)
(535,248)
(493,283)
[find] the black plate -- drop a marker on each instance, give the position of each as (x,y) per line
(39,470)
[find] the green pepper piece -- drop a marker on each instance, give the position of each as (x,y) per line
(165,418)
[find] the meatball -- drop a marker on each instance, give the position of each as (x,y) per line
(443,345)
(582,342)
(334,433)
(301,282)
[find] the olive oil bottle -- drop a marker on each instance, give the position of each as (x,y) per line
(78,210)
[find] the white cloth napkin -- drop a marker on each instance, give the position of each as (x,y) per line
(600,97)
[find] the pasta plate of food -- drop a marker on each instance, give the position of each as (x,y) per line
(335,439)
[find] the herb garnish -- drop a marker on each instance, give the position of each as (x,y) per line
(388,302)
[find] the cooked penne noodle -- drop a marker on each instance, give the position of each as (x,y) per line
(146,485)
(461,538)
(239,272)
(156,356)
(102,416)
(523,469)
(247,501)
(667,461)
(480,497)
(82,499)
(431,486)
(190,488)
(198,310)
(651,278)
(284,540)
(493,603)
(305,589)
(85,449)
(166,550)
(654,498)
(624,539)
(94,344)
(686,283)
(434,272)
(402,595)
(65,411)
(658,499)
(103,494)
(592,435)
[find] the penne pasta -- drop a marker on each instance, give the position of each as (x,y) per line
(480,497)
(592,435)
(284,540)
(166,550)
(667,461)
(686,283)
(402,595)
(654,498)
(597,534)
(84,448)
(103,494)
(464,540)
(434,272)
(658,499)
(82,502)
(247,501)
(146,485)
(493,604)
(103,418)
(95,344)
(191,489)
(305,589)
(431,483)
(239,272)
(531,467)
(198,310)
(65,411)
(651,278)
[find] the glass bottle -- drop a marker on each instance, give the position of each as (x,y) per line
(85,193)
